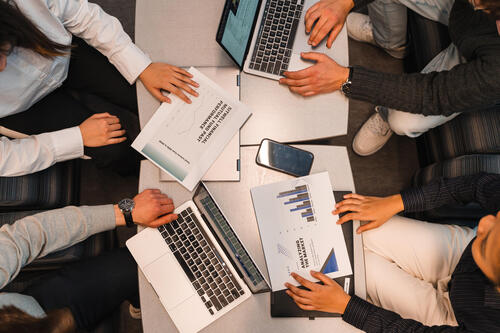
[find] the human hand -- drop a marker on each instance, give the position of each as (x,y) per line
(329,297)
(323,77)
(329,15)
(159,76)
(373,209)
(101,129)
(152,209)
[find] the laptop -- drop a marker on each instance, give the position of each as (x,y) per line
(197,264)
(259,35)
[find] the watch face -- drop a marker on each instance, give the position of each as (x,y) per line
(126,205)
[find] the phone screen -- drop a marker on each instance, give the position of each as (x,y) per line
(285,158)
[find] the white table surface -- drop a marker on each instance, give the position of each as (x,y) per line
(235,200)
(182,33)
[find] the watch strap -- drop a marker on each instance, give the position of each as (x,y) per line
(128,219)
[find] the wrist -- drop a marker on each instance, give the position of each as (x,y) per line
(397,203)
(343,305)
(119,218)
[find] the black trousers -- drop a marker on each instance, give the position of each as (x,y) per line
(92,288)
(93,85)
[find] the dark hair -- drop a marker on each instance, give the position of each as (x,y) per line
(492,7)
(13,319)
(17,30)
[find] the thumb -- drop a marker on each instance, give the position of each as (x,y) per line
(367,226)
(163,220)
(316,56)
(322,277)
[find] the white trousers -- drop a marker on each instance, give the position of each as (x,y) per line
(409,264)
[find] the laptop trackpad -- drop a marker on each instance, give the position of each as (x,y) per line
(169,280)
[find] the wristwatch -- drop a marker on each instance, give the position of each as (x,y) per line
(346,86)
(126,205)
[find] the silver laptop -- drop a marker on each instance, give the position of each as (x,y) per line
(260,35)
(197,264)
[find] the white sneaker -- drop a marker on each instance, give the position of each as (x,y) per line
(360,28)
(372,136)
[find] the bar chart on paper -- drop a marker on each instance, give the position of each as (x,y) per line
(299,200)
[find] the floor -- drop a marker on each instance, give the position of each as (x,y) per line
(386,172)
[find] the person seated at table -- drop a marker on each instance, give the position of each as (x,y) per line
(465,77)
(81,294)
(48,50)
(420,276)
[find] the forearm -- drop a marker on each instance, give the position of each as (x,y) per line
(482,188)
(38,235)
(24,156)
(465,88)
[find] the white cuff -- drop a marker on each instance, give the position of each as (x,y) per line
(130,62)
(67,143)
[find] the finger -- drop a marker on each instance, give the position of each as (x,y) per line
(159,96)
(333,35)
(176,91)
(310,11)
(347,218)
(298,291)
(163,220)
(298,299)
(153,191)
(322,277)
(185,87)
(311,19)
(116,134)
(100,115)
(349,201)
(368,226)
(112,120)
(165,201)
(316,56)
(320,31)
(302,74)
(186,79)
(306,283)
(304,91)
(182,71)
(165,209)
(354,195)
(295,83)
(115,141)
(114,127)
(306,307)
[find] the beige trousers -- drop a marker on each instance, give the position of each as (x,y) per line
(409,264)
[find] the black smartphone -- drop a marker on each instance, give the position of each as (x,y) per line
(284,158)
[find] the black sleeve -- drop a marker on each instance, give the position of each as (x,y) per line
(482,188)
(371,318)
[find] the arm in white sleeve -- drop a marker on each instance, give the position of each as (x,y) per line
(37,152)
(104,32)
(38,235)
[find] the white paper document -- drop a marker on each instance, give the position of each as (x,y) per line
(298,231)
(183,139)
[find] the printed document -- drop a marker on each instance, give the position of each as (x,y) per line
(183,139)
(298,231)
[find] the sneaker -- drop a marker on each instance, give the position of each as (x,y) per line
(360,28)
(372,136)
(135,313)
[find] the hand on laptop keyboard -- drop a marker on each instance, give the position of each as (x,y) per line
(329,16)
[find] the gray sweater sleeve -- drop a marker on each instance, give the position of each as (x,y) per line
(38,235)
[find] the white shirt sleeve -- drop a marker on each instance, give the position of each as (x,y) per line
(37,152)
(41,234)
(104,32)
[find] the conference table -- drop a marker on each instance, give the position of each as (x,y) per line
(183,33)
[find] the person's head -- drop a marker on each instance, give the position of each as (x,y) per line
(16,30)
(486,248)
(13,319)
(492,7)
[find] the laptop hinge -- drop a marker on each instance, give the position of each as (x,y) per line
(238,81)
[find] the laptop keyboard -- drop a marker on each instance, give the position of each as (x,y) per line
(197,256)
(274,43)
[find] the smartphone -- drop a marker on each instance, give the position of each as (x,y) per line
(284,158)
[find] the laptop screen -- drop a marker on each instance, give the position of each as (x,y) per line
(229,241)
(236,26)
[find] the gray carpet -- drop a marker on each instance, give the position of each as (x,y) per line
(386,172)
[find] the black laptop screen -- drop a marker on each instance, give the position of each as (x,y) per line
(235,28)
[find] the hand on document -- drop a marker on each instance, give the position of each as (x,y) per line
(159,76)
(328,297)
(376,211)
